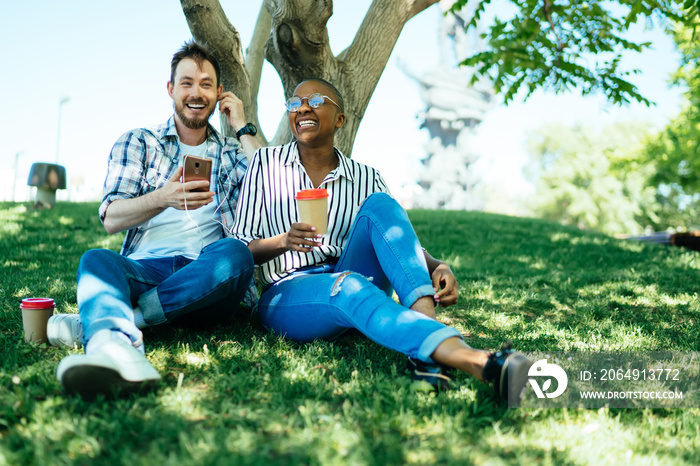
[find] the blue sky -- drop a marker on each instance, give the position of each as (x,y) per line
(111,59)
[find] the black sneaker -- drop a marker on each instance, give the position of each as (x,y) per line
(507,370)
(433,374)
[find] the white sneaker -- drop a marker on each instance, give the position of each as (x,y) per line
(114,366)
(65,330)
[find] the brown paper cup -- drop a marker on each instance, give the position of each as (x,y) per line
(312,205)
(35,316)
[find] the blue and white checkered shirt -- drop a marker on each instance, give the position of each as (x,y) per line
(144,159)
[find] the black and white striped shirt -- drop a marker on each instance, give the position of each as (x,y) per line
(266,205)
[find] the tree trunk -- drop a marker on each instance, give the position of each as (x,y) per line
(297,46)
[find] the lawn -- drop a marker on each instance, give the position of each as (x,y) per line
(234,394)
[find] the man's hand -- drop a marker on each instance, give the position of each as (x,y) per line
(445,285)
(125,214)
(179,195)
(232,107)
(301,237)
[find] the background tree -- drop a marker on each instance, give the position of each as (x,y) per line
(559,45)
(675,152)
(544,46)
(593,178)
(292,35)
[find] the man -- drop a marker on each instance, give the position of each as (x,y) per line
(177,260)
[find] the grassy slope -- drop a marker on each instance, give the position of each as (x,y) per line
(234,394)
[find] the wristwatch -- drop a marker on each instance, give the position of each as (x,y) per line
(247,129)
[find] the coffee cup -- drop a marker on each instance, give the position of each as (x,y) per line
(312,205)
(35,316)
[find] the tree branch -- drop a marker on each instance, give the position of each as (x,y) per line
(298,46)
(210,27)
(376,37)
(255,58)
(545,8)
(366,58)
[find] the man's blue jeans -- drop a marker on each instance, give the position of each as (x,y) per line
(382,252)
(111,285)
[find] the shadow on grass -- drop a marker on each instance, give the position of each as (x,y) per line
(531,272)
(237,394)
(40,251)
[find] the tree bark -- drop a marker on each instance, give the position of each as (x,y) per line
(254,60)
(298,47)
(364,61)
(211,28)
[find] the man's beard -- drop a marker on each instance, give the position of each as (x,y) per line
(191,123)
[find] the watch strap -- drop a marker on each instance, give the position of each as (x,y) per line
(249,128)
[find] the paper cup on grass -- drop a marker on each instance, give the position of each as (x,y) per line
(312,205)
(35,316)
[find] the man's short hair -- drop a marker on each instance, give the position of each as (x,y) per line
(199,54)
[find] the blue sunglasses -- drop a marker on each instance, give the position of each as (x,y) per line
(315,100)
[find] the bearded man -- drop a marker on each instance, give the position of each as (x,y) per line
(178,261)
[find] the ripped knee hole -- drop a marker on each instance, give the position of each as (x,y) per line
(338,282)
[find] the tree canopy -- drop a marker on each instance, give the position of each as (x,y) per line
(559,45)
(676,152)
(640,176)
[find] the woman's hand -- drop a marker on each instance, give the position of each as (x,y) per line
(302,237)
(445,285)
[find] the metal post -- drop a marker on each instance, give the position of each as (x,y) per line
(63,101)
(14,181)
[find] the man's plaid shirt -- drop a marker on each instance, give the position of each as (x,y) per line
(143,160)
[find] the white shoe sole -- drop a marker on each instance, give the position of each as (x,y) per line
(59,335)
(116,369)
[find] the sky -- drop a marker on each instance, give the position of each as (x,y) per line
(111,60)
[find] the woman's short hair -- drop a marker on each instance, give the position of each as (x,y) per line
(332,88)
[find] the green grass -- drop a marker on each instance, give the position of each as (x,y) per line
(234,394)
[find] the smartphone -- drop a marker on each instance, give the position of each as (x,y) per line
(197,168)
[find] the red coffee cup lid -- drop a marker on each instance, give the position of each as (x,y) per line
(308,194)
(37,303)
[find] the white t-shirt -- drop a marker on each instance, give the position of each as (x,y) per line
(176,232)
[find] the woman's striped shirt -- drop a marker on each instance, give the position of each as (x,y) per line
(266,205)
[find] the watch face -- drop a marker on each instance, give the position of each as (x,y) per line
(247,129)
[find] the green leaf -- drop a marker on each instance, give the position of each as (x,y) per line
(557,45)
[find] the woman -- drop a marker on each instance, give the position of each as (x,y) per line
(318,286)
